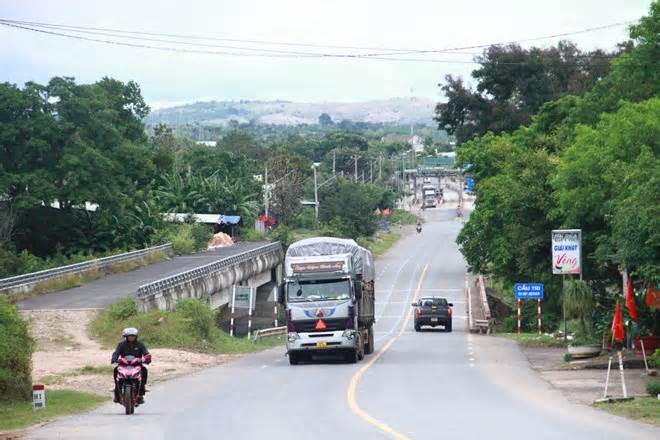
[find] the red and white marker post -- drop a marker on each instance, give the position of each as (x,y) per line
(233,303)
(538,314)
(519,304)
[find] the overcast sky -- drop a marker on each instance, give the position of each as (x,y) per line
(168,78)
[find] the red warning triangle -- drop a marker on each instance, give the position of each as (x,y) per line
(320,325)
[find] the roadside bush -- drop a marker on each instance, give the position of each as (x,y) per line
(654,359)
(202,319)
(509,324)
(191,326)
(183,241)
(122,310)
(403,217)
(251,234)
(16,348)
(653,388)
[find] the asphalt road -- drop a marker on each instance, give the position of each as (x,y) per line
(106,290)
(427,385)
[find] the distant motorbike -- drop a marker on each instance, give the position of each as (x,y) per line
(419,228)
(129,380)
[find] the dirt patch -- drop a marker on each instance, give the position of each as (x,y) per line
(64,349)
(578,380)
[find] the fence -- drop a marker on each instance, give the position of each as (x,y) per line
(26,282)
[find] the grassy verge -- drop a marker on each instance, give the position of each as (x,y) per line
(381,244)
(69,281)
(645,409)
(59,403)
(533,340)
(192,326)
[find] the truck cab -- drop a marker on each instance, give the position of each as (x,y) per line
(329,307)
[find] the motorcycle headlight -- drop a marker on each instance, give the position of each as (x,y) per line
(293,336)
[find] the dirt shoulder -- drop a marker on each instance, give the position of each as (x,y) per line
(67,358)
(583,381)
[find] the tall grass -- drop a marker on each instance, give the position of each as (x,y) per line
(191,326)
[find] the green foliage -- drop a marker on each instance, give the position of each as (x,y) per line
(568,357)
(403,217)
(534,340)
(654,359)
(16,415)
(578,299)
(353,204)
(16,348)
(251,234)
(191,326)
(508,74)
(122,310)
(653,388)
(586,162)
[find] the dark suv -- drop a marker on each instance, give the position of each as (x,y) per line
(432,311)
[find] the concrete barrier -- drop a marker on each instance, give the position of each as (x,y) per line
(26,283)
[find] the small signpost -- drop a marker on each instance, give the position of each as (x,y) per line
(527,291)
(38,397)
(243,297)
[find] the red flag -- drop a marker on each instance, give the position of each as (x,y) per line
(630,300)
(617,323)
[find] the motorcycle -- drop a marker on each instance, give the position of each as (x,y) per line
(419,228)
(129,381)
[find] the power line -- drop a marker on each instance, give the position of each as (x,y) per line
(57,30)
(397,51)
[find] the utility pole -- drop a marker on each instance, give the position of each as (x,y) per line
(371,171)
(316,196)
(334,160)
(380,167)
(356,160)
(266,191)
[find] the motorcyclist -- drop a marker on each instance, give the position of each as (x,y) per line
(130,346)
(419,226)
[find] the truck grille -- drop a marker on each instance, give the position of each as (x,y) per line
(331,325)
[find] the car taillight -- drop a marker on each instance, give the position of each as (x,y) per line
(449,310)
(418,311)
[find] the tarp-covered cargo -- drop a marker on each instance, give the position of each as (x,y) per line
(363,261)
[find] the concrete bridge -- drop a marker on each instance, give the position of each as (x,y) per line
(260,268)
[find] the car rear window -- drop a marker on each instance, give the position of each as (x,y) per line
(428,302)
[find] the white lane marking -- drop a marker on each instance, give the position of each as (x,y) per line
(264,366)
(471,365)
(471,359)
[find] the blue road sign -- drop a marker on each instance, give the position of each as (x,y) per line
(469,184)
(528,290)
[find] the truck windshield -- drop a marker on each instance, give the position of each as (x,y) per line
(318,290)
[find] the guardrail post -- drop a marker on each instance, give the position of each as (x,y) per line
(518,303)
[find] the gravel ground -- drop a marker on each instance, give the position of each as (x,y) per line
(63,347)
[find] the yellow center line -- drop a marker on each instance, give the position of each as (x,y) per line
(352,386)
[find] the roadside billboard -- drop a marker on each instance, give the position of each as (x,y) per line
(567,251)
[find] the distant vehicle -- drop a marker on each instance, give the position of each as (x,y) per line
(429,195)
(329,297)
(433,311)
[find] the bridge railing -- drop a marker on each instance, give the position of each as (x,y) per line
(204,271)
(27,279)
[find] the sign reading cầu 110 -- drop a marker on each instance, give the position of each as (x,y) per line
(566,251)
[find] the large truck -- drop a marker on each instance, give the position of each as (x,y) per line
(329,299)
(429,195)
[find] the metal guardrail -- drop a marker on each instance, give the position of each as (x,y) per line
(266,332)
(98,263)
(203,271)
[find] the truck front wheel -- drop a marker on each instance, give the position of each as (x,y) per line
(294,358)
(369,347)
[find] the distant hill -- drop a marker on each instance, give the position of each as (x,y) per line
(393,110)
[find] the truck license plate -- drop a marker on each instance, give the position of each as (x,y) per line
(434,319)
(321,344)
